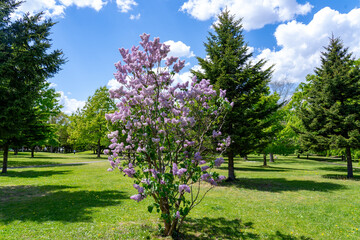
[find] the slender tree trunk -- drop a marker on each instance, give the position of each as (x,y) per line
(5,158)
(231,166)
(271,155)
(342,158)
(349,163)
(98,148)
(298,156)
(16,150)
(32,151)
(265,163)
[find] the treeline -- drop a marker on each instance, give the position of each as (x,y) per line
(269,116)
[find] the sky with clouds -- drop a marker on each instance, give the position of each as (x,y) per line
(289,34)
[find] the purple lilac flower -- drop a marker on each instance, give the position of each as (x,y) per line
(184,187)
(174,169)
(181,171)
(219,161)
(178,215)
(138,197)
(129,171)
(204,168)
(202,162)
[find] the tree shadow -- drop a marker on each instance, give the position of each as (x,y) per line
(341,177)
(281,236)
(215,228)
(32,173)
(221,228)
(282,184)
(260,169)
(335,168)
(323,159)
(53,203)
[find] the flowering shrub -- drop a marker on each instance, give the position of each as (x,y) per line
(165,131)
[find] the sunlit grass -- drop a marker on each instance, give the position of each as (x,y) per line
(291,199)
(43,158)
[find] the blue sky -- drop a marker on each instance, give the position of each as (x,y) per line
(287,33)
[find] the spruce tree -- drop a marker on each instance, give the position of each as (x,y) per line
(26,62)
(331,113)
(228,67)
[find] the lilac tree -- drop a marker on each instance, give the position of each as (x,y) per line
(166,131)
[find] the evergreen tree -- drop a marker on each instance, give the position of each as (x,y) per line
(228,67)
(331,115)
(25,63)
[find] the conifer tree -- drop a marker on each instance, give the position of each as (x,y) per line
(228,67)
(331,116)
(26,62)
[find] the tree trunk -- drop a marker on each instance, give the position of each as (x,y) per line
(265,163)
(32,151)
(307,156)
(342,158)
(245,158)
(271,155)
(16,150)
(349,163)
(231,166)
(98,148)
(298,156)
(5,158)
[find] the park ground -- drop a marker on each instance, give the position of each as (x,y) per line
(292,199)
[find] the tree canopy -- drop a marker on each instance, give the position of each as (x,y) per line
(26,62)
(228,67)
(331,106)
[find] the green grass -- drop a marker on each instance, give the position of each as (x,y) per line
(292,199)
(23,159)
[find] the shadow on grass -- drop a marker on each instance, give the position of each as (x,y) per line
(282,236)
(52,203)
(221,228)
(282,184)
(335,168)
(216,228)
(260,169)
(32,173)
(341,177)
(323,159)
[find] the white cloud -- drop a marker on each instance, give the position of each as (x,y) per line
(52,8)
(70,105)
(186,76)
(49,7)
(135,17)
(125,5)
(301,44)
(255,13)
(179,49)
(95,4)
(113,84)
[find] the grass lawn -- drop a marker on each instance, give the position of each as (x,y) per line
(291,199)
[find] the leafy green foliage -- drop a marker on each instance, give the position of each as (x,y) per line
(88,128)
(26,63)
